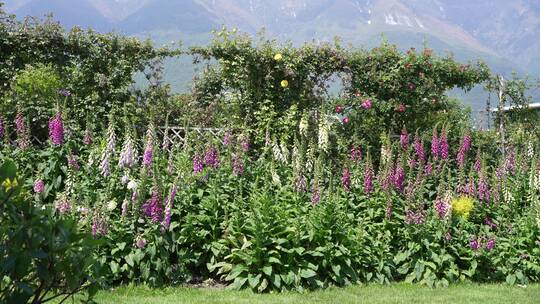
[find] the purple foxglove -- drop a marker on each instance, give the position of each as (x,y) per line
(435,146)
(211,158)
(443,145)
(356,154)
(368,178)
(2,129)
(315,194)
(346,179)
(23,136)
(490,244)
(475,243)
(56,129)
(399,177)
(227,138)
(87,140)
(415,217)
(388,210)
(153,208)
(404,139)
(419,149)
(237,166)
(73,163)
(197,164)
(39,186)
(483,190)
(442,208)
(128,155)
(244,143)
(478,163)
(168,209)
(148,147)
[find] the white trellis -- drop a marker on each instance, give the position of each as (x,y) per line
(181,136)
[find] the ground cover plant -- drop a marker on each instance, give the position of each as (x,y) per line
(297,190)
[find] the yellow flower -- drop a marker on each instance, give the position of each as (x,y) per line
(284,83)
(278,57)
(462,206)
(8,184)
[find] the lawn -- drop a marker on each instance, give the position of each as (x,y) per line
(395,293)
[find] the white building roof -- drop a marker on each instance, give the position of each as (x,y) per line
(509,108)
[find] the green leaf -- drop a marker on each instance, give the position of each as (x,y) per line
(276,280)
(114,267)
(267,270)
(254,281)
(129,260)
(263,286)
(239,282)
(307,273)
(274,260)
(511,279)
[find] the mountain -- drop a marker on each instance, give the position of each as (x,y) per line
(84,14)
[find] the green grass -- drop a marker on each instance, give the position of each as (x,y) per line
(395,293)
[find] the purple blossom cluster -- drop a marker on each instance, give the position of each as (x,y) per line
(128,155)
(23,135)
(237,166)
(366,104)
(153,208)
(168,208)
(435,145)
(463,149)
(63,206)
(483,192)
(87,140)
(300,183)
(356,154)
(39,186)
(442,208)
(211,158)
(415,217)
(2,128)
(419,149)
(315,194)
(404,139)
(399,177)
(244,143)
(388,211)
(73,163)
(346,179)
(99,226)
(443,145)
(56,129)
(368,178)
(227,137)
(198,165)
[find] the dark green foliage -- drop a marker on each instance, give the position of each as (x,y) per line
(43,256)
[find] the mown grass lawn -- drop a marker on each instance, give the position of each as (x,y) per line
(396,293)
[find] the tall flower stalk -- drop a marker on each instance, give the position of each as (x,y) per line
(23,135)
(56,129)
(106,156)
(128,155)
(149,147)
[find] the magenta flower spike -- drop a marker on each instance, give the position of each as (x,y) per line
(39,186)
(419,148)
(56,129)
(435,146)
(346,179)
(404,139)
